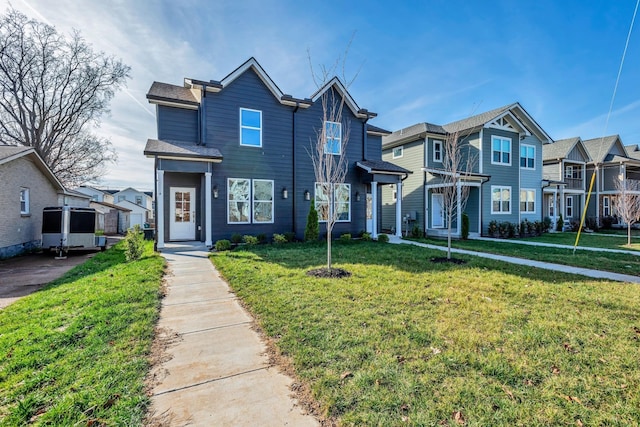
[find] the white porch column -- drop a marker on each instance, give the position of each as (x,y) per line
(399,209)
(374,211)
(459,209)
(207,209)
(555,208)
(160,207)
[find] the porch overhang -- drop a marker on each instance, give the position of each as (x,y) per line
(464,177)
(178,150)
(381,167)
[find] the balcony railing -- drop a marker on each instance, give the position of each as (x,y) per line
(574,183)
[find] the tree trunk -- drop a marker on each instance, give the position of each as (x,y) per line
(449,236)
(628,234)
(328,250)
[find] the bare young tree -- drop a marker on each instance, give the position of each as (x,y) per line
(457,163)
(627,204)
(53,92)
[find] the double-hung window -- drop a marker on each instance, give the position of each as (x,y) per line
(527,156)
(606,206)
(249,201)
(527,201)
(250,127)
(340,206)
(333,138)
(569,207)
(24,201)
(500,199)
(437,151)
(500,150)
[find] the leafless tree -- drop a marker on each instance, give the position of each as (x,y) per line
(627,204)
(457,163)
(53,91)
(328,150)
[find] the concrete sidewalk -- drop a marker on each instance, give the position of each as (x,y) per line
(555,245)
(596,274)
(215,372)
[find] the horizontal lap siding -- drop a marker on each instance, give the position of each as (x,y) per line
(531,179)
(177,124)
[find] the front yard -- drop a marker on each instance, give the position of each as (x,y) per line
(405,341)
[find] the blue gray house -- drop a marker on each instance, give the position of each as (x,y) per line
(232,157)
(505,181)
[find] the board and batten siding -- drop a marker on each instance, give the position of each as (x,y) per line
(412,187)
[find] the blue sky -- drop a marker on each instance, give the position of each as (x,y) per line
(435,61)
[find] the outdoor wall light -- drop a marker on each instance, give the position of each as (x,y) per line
(215,191)
(357,196)
(285,193)
(307,195)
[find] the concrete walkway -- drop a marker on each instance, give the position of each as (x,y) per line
(215,371)
(596,274)
(555,245)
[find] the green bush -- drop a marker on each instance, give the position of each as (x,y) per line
(346,237)
(223,245)
(250,240)
(493,228)
(312,230)
(416,232)
(366,237)
(465,226)
(383,238)
(546,224)
(134,243)
(262,238)
(236,238)
(560,223)
(279,238)
(291,236)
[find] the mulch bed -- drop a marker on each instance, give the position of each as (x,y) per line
(334,273)
(444,259)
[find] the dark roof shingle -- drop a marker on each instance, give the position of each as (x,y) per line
(157,147)
(168,92)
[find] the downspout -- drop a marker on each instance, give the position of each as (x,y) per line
(202,117)
(293,167)
(364,138)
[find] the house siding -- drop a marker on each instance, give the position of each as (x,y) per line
(177,124)
(530,179)
(19,233)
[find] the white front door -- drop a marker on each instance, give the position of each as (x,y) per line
(369,213)
(182,222)
(437,211)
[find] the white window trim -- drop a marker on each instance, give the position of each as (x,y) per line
(332,202)
(568,168)
(339,153)
(437,142)
(250,127)
(24,197)
(253,201)
(535,204)
(501,188)
(552,205)
(534,156)
(393,151)
(502,138)
(568,205)
(606,204)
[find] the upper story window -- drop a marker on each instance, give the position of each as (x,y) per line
(500,150)
(250,127)
(121,198)
(333,138)
(24,201)
(139,200)
(573,172)
(527,156)
(500,199)
(398,152)
(437,151)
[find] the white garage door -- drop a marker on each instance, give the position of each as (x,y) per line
(135,219)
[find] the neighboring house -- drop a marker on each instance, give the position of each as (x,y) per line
(232,157)
(27,186)
(140,198)
(111,219)
(610,162)
(74,199)
(96,194)
(138,214)
(505,183)
(564,170)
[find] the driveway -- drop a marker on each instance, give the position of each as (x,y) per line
(23,275)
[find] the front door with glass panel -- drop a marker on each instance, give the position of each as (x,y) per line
(437,211)
(369,213)
(182,223)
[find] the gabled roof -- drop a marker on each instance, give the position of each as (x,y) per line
(134,190)
(10,153)
(110,205)
(168,94)
(411,133)
(375,130)
(181,150)
(561,148)
(124,203)
(337,85)
(599,148)
(382,167)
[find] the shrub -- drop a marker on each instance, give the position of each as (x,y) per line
(465,226)
(250,240)
(366,237)
(223,245)
(290,236)
(607,222)
(236,238)
(537,227)
(559,223)
(134,244)
(346,237)
(262,238)
(511,230)
(383,238)
(546,224)
(493,228)
(279,238)
(312,230)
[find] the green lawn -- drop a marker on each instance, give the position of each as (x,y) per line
(76,352)
(405,341)
(605,261)
(608,241)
